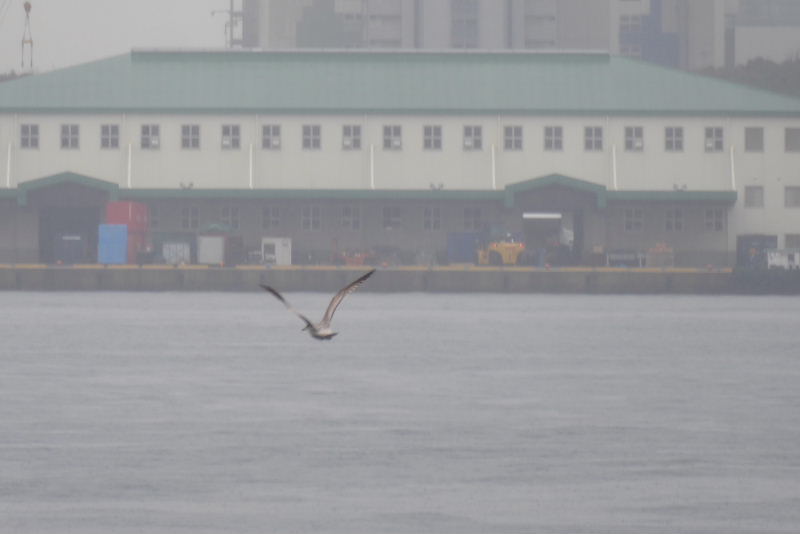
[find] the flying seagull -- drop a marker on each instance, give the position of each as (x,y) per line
(322,330)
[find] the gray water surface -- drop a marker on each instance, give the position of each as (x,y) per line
(212,412)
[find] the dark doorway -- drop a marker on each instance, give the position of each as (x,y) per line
(547,241)
(751,250)
(68,235)
(541,229)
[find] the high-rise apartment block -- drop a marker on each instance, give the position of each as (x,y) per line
(689,34)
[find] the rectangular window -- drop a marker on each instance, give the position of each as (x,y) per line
(512,137)
(432,137)
(634,219)
(312,137)
(792,196)
(231,136)
(190,218)
(150,138)
(593,138)
(351,137)
(792,241)
(29,136)
(715,219)
(271,136)
(792,139)
(109,136)
(392,217)
(190,136)
(673,139)
(713,139)
(754,139)
(472,218)
(634,139)
(432,218)
(230,217)
(473,138)
(70,134)
(270,217)
(630,24)
(630,50)
(553,138)
(754,196)
(464,23)
(674,220)
(351,218)
(392,137)
(311,218)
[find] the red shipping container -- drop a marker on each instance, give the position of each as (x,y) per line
(133,214)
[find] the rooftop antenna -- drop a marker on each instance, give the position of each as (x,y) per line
(27,39)
(234,30)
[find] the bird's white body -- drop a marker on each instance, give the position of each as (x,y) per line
(322,330)
(321,333)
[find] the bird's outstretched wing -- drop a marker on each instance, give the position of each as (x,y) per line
(339,297)
(278,296)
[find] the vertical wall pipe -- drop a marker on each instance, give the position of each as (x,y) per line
(130,164)
(252,185)
(8,166)
(614,166)
(372,166)
(494,167)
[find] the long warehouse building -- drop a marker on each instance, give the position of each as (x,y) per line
(406,152)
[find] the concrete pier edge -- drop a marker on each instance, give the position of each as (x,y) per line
(441,279)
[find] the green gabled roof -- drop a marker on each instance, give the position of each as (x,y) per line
(394,82)
(65,178)
(603,195)
(556,180)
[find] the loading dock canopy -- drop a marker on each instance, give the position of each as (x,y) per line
(541,215)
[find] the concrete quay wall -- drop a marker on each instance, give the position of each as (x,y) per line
(391,279)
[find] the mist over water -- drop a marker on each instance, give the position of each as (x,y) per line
(212,412)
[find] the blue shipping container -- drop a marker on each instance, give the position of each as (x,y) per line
(112,244)
(462,247)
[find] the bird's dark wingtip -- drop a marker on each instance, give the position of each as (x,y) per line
(274,293)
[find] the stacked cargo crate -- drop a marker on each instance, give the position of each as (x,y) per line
(124,236)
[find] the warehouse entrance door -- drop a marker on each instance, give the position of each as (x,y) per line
(69,235)
(554,210)
(70,209)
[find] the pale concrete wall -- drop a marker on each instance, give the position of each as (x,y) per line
(582,25)
(412,167)
(386,280)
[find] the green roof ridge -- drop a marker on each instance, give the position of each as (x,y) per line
(402,82)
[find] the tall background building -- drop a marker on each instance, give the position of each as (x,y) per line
(688,34)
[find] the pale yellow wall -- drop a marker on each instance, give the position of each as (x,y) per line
(414,168)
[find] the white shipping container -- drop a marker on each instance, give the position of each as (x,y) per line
(176,253)
(783,259)
(211,249)
(276,250)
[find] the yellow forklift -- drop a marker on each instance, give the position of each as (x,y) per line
(506,249)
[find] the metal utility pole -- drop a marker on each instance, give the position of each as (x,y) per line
(27,39)
(234,28)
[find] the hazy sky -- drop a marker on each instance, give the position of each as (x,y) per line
(67,32)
